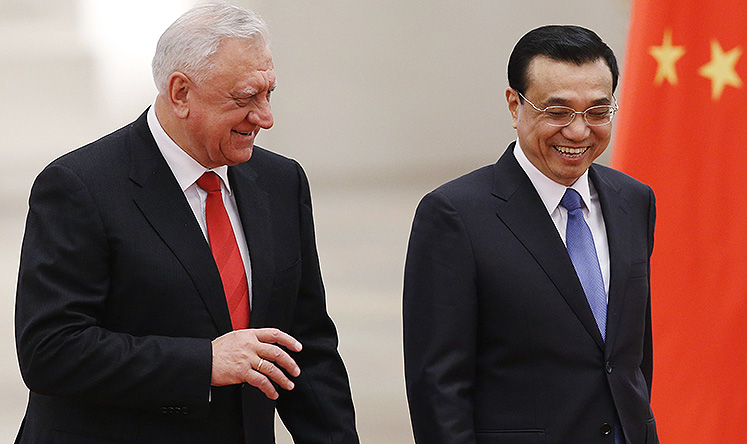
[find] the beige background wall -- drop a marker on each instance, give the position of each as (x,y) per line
(380,100)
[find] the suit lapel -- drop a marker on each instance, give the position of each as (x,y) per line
(617,223)
(253,205)
(158,195)
(522,211)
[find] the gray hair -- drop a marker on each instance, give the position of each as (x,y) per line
(188,44)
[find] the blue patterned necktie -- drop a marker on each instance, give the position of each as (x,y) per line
(580,245)
(583,253)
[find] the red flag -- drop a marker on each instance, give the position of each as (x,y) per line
(682,128)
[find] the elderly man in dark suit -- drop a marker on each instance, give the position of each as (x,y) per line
(169,287)
(526,294)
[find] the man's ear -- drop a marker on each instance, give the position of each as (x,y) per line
(512,98)
(178,94)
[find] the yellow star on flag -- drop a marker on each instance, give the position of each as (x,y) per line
(721,69)
(666,56)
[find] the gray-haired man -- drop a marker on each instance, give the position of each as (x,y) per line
(169,288)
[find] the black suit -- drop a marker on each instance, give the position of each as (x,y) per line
(500,343)
(119,298)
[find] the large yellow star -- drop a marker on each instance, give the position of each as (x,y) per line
(721,69)
(666,56)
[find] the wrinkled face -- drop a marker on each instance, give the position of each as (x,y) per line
(562,153)
(228,108)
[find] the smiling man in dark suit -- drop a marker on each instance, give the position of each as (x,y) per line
(526,295)
(169,287)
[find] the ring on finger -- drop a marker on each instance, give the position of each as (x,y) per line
(259,365)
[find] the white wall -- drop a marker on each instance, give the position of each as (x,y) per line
(380,100)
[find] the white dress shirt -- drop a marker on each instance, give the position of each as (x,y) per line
(552,192)
(187,170)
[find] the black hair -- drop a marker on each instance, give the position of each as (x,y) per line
(565,43)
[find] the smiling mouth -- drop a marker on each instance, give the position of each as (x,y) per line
(570,151)
(251,133)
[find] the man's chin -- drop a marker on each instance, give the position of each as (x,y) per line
(240,155)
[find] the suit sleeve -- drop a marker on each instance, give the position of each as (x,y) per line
(440,313)
(647,365)
(63,284)
(320,408)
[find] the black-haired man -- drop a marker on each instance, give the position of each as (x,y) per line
(526,297)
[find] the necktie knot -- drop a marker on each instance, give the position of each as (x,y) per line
(209,182)
(571,200)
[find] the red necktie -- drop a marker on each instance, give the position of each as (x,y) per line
(226,251)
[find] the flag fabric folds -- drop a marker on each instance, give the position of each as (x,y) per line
(682,128)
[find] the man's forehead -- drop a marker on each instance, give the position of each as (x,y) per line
(244,66)
(544,73)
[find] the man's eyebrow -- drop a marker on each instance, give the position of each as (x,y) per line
(564,102)
(555,101)
(245,92)
(250,92)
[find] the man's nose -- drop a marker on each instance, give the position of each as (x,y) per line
(578,129)
(262,115)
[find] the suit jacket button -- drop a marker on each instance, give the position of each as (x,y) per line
(608,367)
(606,429)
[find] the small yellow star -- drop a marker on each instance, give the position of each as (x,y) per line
(666,56)
(721,69)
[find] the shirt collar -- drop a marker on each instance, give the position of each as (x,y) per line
(186,169)
(550,191)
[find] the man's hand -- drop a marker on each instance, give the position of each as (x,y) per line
(251,356)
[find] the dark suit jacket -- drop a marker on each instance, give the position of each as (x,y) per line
(500,343)
(119,297)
